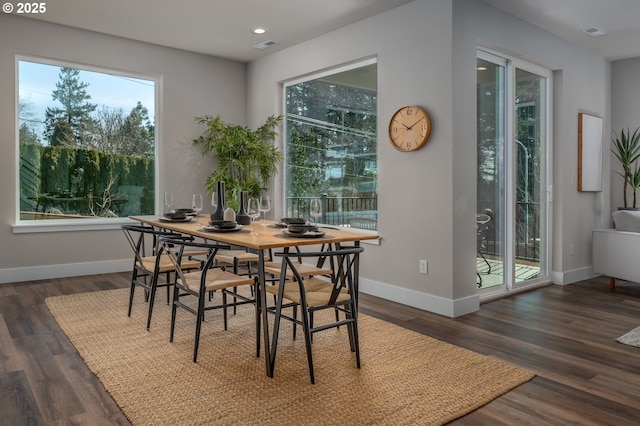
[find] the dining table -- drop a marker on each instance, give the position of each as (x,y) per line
(269,237)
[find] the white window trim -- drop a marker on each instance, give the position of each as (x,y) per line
(313,76)
(60,225)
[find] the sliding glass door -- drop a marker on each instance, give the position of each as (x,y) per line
(513,188)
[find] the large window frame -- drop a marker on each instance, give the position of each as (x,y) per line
(358,211)
(86,223)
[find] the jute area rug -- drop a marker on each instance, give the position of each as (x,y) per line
(406,378)
(632,338)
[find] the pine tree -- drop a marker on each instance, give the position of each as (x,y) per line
(75,113)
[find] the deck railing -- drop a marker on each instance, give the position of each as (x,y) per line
(338,211)
(527,233)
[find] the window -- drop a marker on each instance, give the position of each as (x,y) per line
(331,146)
(87,145)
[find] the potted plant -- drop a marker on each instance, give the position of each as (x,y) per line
(246,159)
(626,148)
(634,183)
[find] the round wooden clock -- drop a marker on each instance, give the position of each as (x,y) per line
(409,128)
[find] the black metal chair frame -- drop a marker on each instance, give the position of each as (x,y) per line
(140,275)
(345,265)
(180,291)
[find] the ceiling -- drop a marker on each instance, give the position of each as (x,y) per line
(223,28)
(214,27)
(567,19)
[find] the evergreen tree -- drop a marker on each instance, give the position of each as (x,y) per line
(137,133)
(27,135)
(75,113)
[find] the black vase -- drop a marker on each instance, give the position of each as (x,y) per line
(219,213)
(242,217)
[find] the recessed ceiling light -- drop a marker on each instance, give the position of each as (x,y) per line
(259,31)
(594,31)
(482,68)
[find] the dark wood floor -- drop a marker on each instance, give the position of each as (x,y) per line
(566,335)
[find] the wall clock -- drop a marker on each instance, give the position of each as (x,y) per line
(409,128)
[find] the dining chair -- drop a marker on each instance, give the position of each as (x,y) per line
(200,283)
(305,270)
(317,293)
(238,258)
(149,265)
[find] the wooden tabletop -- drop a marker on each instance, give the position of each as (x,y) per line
(268,236)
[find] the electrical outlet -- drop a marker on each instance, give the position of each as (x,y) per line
(423,267)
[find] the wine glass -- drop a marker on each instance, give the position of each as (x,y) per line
(253,210)
(197,206)
(315,210)
(265,206)
(214,200)
(168,202)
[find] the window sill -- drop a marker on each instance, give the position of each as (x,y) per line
(66,225)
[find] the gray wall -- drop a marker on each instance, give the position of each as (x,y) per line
(581,84)
(191,85)
(426,53)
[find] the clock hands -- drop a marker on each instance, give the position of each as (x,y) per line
(411,127)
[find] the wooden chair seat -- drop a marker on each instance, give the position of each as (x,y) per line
(317,291)
(148,263)
(215,279)
(229,256)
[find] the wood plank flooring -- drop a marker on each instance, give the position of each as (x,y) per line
(566,335)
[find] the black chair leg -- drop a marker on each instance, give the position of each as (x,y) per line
(307,343)
(131,292)
(174,308)
(200,316)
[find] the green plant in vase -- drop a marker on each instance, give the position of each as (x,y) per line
(246,159)
(626,149)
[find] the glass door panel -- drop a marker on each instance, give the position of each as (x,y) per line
(530,175)
(491,212)
(512,177)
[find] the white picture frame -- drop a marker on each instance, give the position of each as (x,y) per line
(589,153)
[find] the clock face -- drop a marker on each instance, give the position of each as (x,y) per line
(409,128)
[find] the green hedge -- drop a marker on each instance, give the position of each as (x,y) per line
(83,173)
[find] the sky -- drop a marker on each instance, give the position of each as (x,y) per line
(37,81)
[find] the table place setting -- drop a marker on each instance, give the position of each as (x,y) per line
(223,226)
(179,215)
(296,227)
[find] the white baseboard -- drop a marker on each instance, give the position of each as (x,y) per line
(424,301)
(33,273)
(569,277)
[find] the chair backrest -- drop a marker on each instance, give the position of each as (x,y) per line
(141,236)
(174,249)
(344,263)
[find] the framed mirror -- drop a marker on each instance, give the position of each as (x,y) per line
(589,153)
